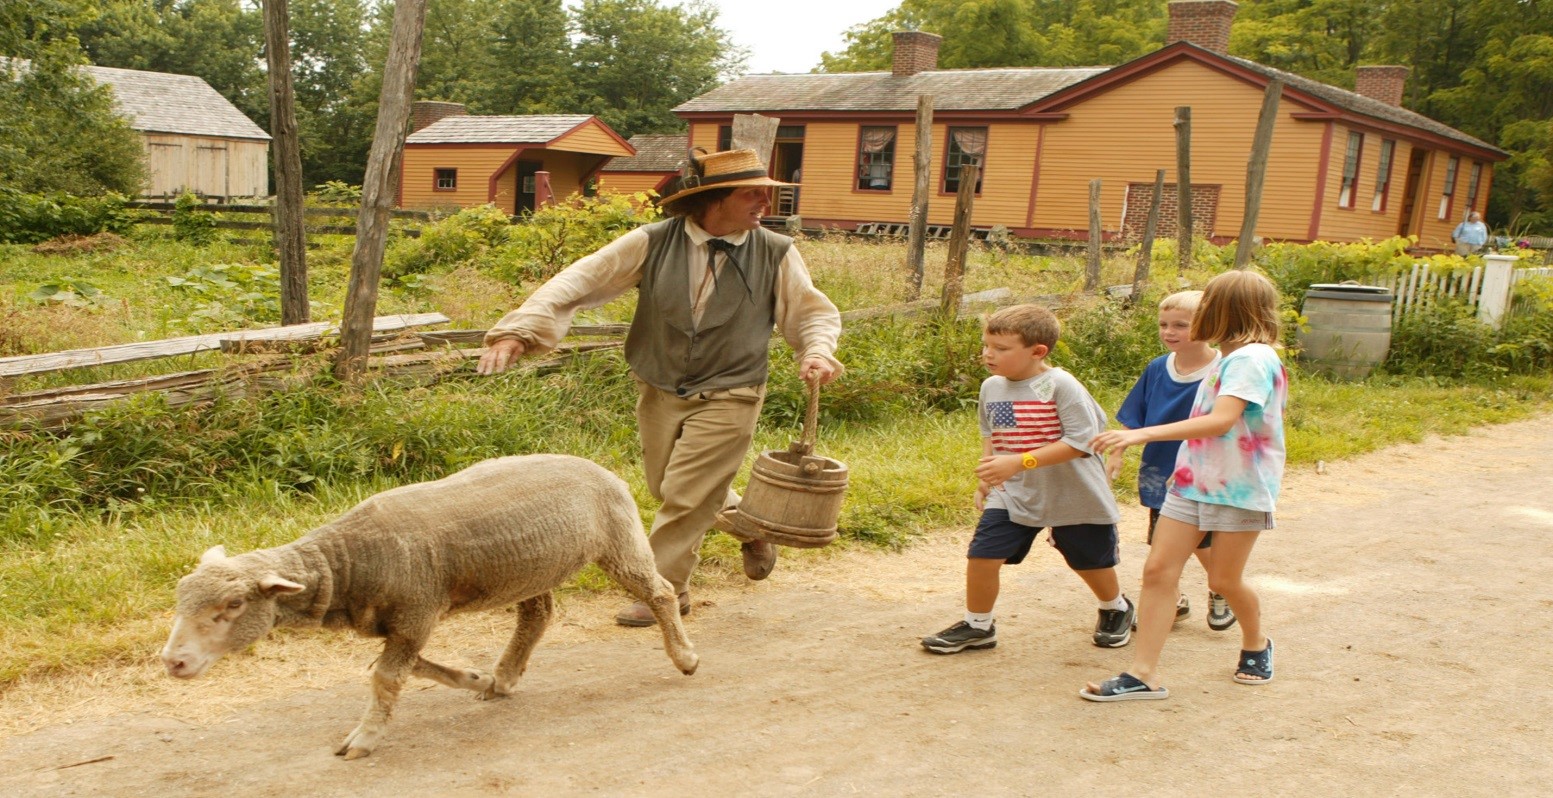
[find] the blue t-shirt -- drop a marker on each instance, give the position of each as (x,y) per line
(1160,396)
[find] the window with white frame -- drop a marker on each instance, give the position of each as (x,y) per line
(446,179)
(1473,178)
(1350,170)
(1388,151)
(1450,187)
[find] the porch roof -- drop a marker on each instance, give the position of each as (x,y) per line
(952,89)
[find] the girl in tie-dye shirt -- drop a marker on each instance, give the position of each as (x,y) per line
(1226,481)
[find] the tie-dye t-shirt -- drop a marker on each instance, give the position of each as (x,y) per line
(1243,467)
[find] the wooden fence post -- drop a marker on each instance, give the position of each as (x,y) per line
(377,189)
(290,224)
(1096,233)
(1140,277)
(1183,126)
(959,241)
(916,239)
(1256,168)
(1498,282)
(755,132)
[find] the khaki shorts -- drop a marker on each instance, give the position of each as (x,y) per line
(1215,517)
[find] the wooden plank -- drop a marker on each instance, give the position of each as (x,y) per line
(959,240)
(477,337)
(916,244)
(1096,233)
(20,365)
(1183,126)
(1256,169)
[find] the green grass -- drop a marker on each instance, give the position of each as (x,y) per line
(99,523)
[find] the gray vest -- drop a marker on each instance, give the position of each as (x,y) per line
(731,346)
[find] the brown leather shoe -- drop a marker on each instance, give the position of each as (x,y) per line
(759,558)
(639,615)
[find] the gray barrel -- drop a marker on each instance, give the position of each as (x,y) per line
(1349,329)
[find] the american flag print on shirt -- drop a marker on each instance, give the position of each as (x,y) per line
(1022,425)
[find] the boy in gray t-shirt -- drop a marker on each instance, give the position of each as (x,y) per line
(1037,472)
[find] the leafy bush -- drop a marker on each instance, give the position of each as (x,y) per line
(70,292)
(464,236)
(552,237)
(335,192)
(31,218)
(191,224)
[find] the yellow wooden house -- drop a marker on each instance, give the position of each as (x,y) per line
(453,160)
(1344,165)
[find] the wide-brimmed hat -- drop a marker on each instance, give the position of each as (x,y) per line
(728,169)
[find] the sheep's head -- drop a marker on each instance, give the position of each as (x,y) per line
(222,606)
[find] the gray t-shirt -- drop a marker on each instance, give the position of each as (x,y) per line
(1028,414)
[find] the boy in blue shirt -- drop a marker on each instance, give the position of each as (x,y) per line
(1163,394)
(1037,472)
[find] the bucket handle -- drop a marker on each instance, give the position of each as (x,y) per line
(805,444)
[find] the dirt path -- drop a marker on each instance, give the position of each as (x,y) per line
(1408,591)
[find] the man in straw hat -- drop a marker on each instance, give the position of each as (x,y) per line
(712,285)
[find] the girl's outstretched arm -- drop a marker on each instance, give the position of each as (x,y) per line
(1226,411)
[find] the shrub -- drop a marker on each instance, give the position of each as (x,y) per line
(464,236)
(232,294)
(190,224)
(552,237)
(335,192)
(31,218)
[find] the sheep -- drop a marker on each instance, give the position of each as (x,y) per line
(500,532)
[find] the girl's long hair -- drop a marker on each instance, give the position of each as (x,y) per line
(1238,307)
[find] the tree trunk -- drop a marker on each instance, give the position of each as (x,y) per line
(377,190)
(290,226)
(1096,234)
(916,239)
(1183,125)
(1256,169)
(959,241)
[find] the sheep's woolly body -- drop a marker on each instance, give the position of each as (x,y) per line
(501,532)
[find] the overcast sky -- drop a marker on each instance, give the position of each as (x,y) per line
(789,35)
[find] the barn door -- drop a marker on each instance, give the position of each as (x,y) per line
(211,177)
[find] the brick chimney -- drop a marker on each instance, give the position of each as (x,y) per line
(425,112)
(1384,83)
(1204,23)
(915,52)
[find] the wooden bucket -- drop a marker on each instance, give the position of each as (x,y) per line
(794,497)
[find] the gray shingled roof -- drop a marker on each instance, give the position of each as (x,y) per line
(161,102)
(496,129)
(952,90)
(655,152)
(1362,105)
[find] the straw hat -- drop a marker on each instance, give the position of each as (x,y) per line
(727,169)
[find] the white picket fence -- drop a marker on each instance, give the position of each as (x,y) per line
(1487,288)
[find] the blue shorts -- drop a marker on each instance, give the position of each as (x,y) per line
(1086,547)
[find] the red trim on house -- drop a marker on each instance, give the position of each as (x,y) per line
(592,173)
(1322,166)
(1413,135)
(1035,177)
(434,177)
(490,189)
(801,116)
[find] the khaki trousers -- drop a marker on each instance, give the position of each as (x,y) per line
(692,447)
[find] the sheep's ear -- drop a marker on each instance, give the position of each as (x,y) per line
(213,554)
(272,585)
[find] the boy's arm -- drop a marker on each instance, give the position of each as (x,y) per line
(982,488)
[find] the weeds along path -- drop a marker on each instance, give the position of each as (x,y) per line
(1406,590)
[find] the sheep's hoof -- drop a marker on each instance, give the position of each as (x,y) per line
(492,693)
(356,753)
(690,669)
(480,681)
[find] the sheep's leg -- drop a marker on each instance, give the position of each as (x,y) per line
(533,616)
(461,678)
(393,669)
(639,576)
